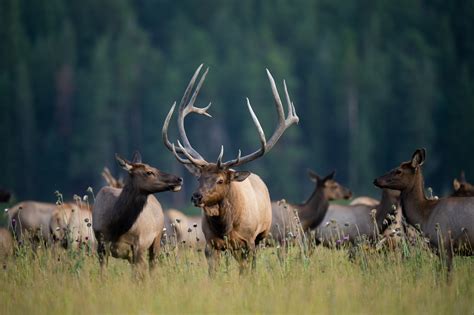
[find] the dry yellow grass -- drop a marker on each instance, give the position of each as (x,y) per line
(63,282)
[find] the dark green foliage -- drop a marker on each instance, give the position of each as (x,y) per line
(371,81)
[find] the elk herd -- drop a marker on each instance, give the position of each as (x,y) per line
(127,221)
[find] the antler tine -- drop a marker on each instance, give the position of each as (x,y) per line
(283,124)
(180,159)
(219,158)
(187,106)
(164,130)
(193,160)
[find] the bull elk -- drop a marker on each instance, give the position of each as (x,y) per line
(128,222)
(311,212)
(236,204)
(448,222)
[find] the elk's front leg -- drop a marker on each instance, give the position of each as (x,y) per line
(213,257)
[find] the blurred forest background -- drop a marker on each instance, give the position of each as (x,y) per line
(371,82)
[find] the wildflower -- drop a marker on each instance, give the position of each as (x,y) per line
(190,230)
(195,225)
(58,228)
(385,222)
(197,239)
(394,207)
(338,242)
(164,229)
(178,220)
(345,238)
(76,198)
(89,224)
(86,220)
(6,210)
(89,189)
(463,229)
(327,223)
(85,198)
(13,222)
(290,234)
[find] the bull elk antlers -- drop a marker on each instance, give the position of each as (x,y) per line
(186,154)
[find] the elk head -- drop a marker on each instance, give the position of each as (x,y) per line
(332,189)
(147,179)
(215,178)
(404,176)
(462,188)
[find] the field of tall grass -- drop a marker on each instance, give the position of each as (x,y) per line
(289,282)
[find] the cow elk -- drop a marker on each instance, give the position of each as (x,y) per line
(310,213)
(128,222)
(236,204)
(448,222)
(462,188)
(348,224)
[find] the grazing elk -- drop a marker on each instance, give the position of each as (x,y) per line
(364,200)
(30,220)
(448,222)
(128,222)
(311,212)
(349,223)
(462,188)
(184,230)
(236,204)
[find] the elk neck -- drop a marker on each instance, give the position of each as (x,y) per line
(385,207)
(415,205)
(127,208)
(312,211)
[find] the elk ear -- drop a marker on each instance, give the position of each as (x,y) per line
(126,165)
(137,157)
(313,176)
(418,158)
(330,176)
(193,169)
(239,176)
(456,184)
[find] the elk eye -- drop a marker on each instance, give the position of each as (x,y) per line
(398,172)
(220,181)
(149,173)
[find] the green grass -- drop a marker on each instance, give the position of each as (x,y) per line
(63,282)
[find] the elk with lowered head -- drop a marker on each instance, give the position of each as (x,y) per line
(348,223)
(448,222)
(310,213)
(236,204)
(128,222)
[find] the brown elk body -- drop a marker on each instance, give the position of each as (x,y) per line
(348,223)
(448,223)
(236,204)
(128,222)
(311,212)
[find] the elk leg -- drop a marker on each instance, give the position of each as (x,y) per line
(138,263)
(213,257)
(101,252)
(153,252)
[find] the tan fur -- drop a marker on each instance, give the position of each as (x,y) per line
(187,232)
(6,244)
(364,200)
(31,218)
(251,216)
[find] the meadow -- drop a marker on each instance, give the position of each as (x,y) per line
(409,280)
